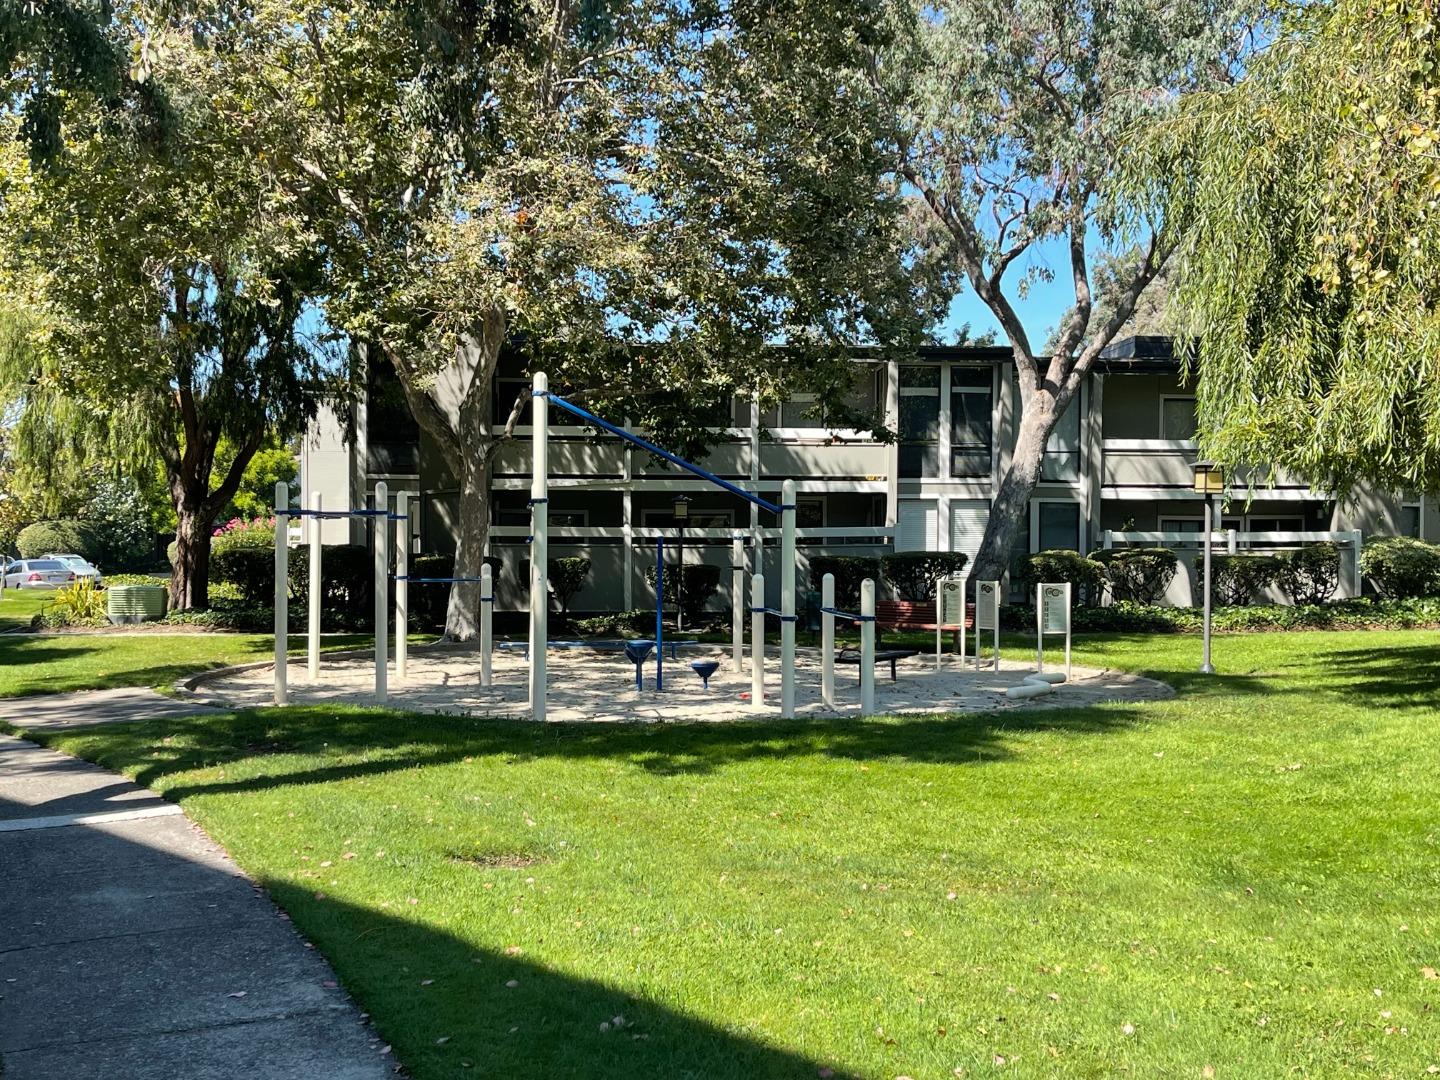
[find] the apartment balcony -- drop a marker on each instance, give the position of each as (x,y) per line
(1155,467)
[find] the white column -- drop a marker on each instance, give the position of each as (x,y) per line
(282,587)
(757,640)
(317,589)
(539,542)
(827,640)
(627,527)
(867,647)
(381,533)
(402,585)
(940,618)
(787,599)
(1357,546)
(487,608)
(737,602)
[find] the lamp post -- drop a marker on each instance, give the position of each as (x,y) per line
(681,506)
(1209,482)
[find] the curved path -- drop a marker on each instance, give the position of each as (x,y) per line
(131,947)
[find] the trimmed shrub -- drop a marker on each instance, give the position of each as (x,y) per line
(64,536)
(1309,575)
(701,582)
(567,577)
(1401,567)
(849,571)
(348,576)
(637,623)
(1127,617)
(1140,575)
(1237,577)
(250,570)
(1085,575)
(911,575)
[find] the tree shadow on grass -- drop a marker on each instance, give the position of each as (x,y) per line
(546,1025)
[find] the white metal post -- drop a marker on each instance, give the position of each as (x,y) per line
(1358,545)
(737,602)
(317,589)
(1039,629)
(757,640)
(787,599)
(539,541)
(939,619)
(827,640)
(867,646)
(381,536)
(282,587)
(1069,610)
(1206,667)
(487,607)
(402,584)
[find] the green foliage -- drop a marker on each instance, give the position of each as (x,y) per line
(1401,566)
(640,622)
(701,582)
(567,577)
(1303,202)
(120,519)
(255,497)
(1237,577)
(61,537)
(80,604)
(428,602)
(347,572)
(911,575)
(1085,575)
(1128,617)
(849,571)
(1138,574)
(112,580)
(1309,575)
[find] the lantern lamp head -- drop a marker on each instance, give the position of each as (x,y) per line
(1209,478)
(681,504)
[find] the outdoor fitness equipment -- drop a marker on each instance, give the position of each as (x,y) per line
(283,514)
(866,619)
(542,399)
(1052,616)
(487,609)
(705,668)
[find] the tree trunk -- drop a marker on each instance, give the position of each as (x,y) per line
(462,612)
(190,577)
(1012,501)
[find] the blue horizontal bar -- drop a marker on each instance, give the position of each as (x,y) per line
(345,514)
(434,580)
(645,444)
(846,614)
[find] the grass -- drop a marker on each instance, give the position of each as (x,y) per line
(1242,879)
(17,606)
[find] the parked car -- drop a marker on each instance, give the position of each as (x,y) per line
(83,568)
(38,574)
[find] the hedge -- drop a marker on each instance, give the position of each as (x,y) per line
(701,582)
(1309,575)
(1138,574)
(1130,617)
(1085,575)
(849,571)
(64,536)
(911,575)
(1402,567)
(1237,577)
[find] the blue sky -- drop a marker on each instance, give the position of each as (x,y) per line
(1042,309)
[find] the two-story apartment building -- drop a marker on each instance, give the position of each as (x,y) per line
(1119,462)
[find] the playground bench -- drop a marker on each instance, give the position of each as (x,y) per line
(851,655)
(916,615)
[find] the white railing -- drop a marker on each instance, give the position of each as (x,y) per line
(1235,541)
(618,532)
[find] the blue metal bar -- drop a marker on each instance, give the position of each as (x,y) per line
(345,514)
(434,580)
(777,613)
(846,614)
(645,444)
(660,613)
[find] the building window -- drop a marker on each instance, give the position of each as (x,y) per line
(1061,463)
(1267,524)
(562,519)
(1196,525)
(919,421)
(1177,419)
(1409,520)
(700,518)
(972,399)
(810,512)
(1057,525)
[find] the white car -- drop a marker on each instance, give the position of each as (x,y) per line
(38,574)
(83,568)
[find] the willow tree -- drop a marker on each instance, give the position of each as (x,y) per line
(642,197)
(1011,117)
(1303,200)
(164,274)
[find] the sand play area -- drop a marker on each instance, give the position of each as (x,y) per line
(587,684)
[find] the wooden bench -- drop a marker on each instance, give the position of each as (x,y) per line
(851,655)
(916,615)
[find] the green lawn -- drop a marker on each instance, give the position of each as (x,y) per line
(18,606)
(1246,877)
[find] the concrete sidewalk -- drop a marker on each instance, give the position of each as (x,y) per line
(131,947)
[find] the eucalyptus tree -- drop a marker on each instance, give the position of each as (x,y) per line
(643,197)
(1011,120)
(165,280)
(1303,201)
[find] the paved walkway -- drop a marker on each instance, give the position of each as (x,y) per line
(132,948)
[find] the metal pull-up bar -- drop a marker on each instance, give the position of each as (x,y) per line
(660,452)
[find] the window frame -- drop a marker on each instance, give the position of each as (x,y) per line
(1160,426)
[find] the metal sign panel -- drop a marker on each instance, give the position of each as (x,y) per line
(952,601)
(1055,608)
(987,605)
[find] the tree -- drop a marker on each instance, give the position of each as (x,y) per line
(1302,201)
(1111,273)
(165,279)
(1010,116)
(638,198)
